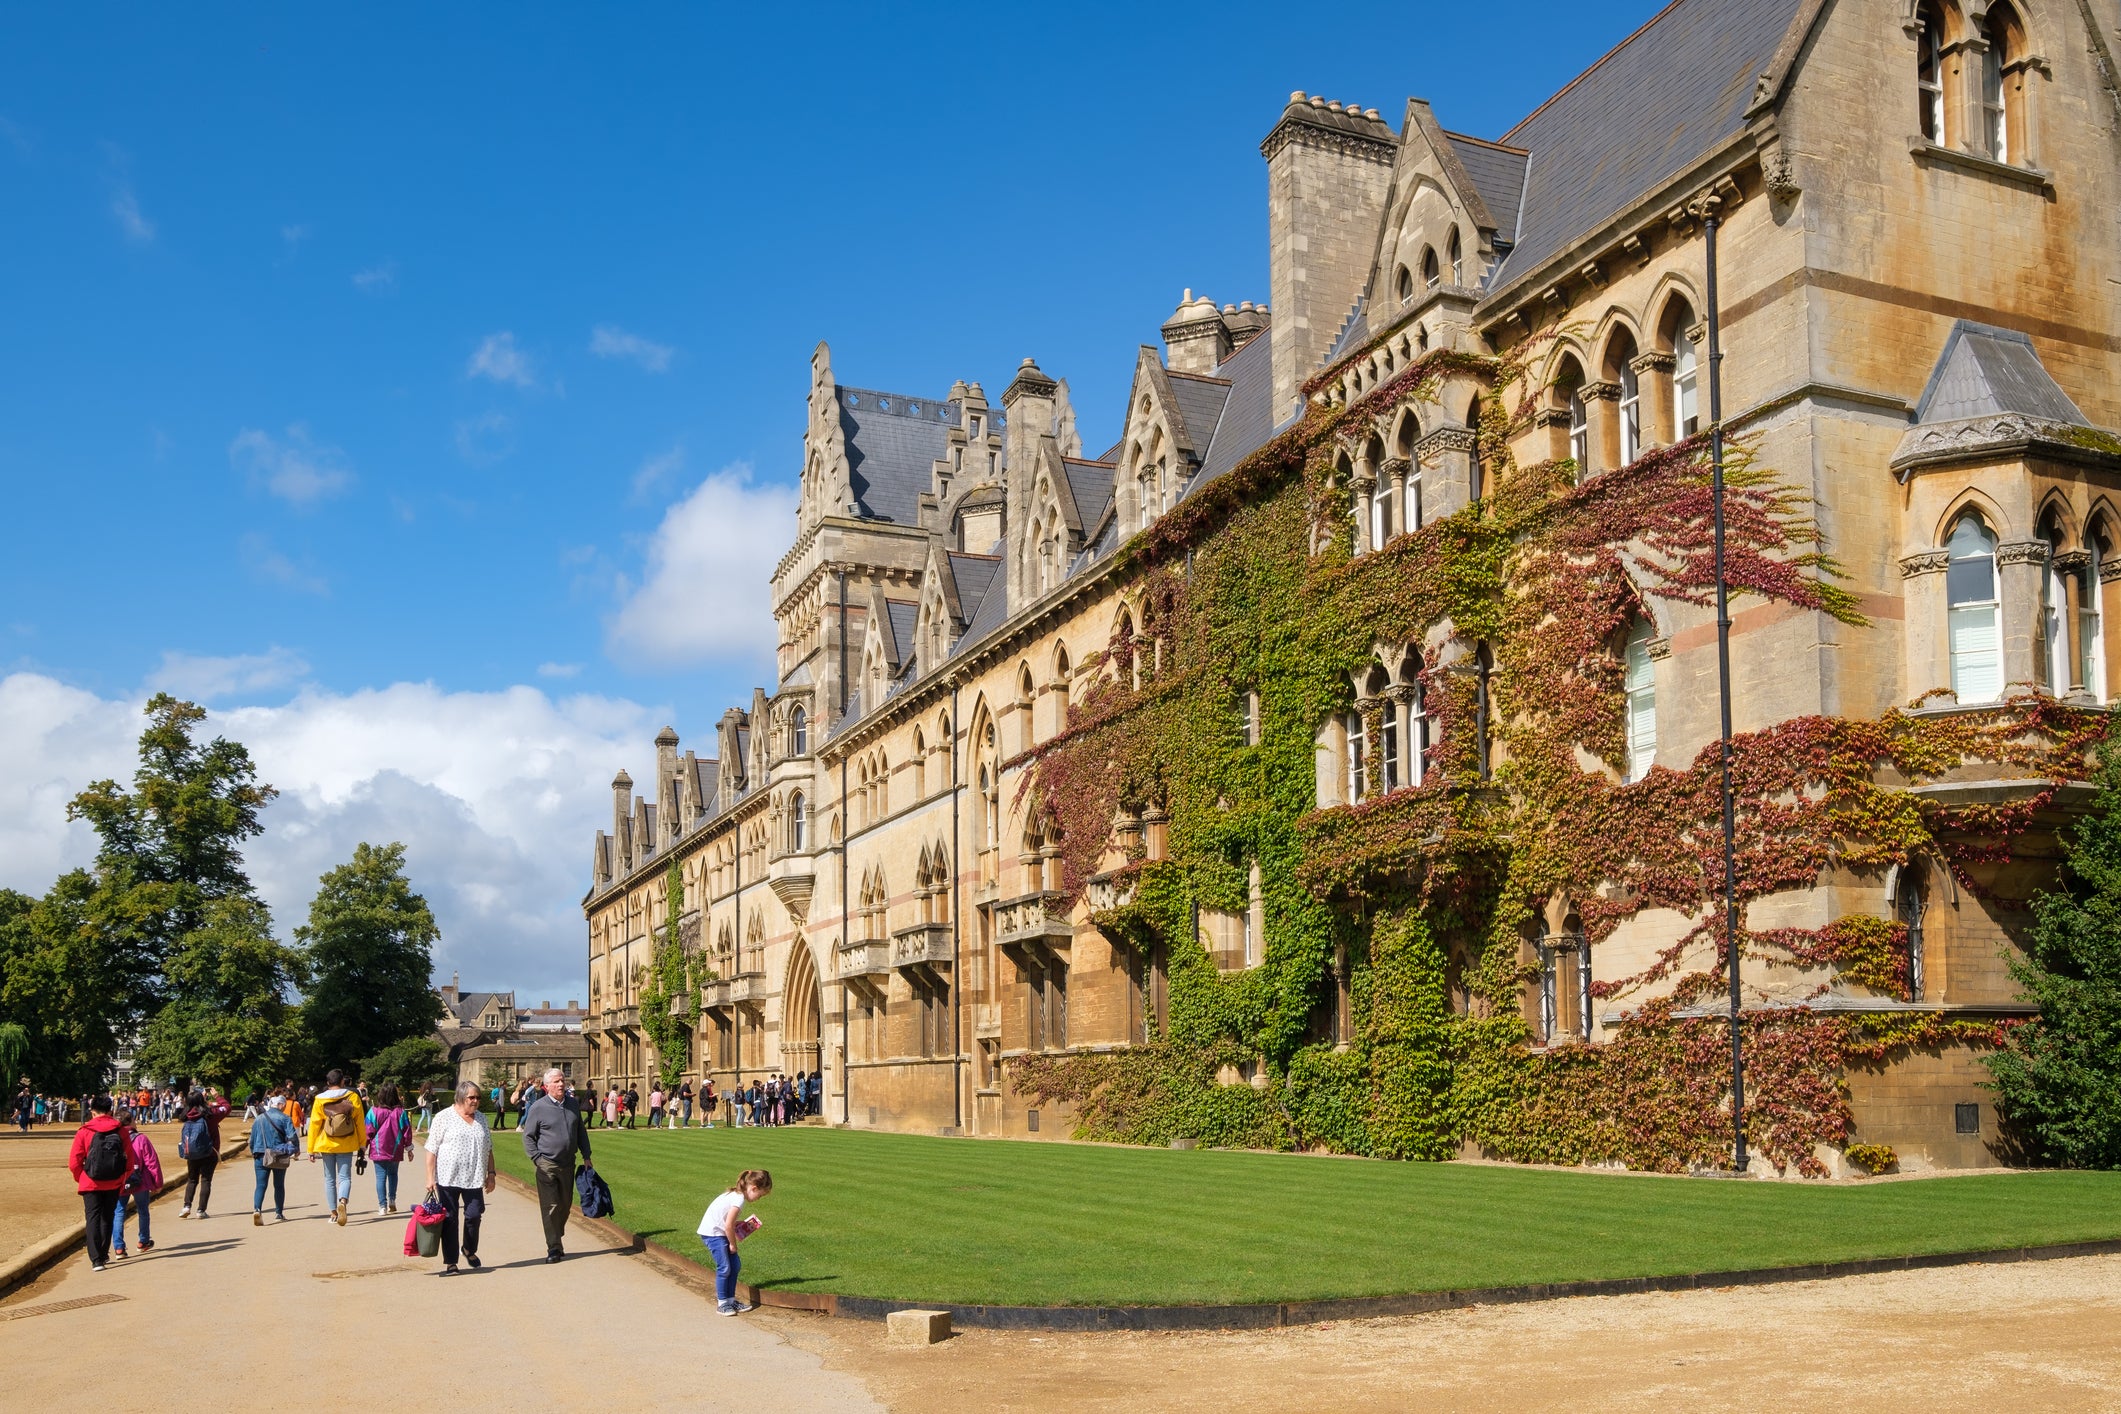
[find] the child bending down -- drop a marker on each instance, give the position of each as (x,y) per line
(724,1227)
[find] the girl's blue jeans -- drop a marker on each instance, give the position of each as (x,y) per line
(726,1265)
(279,1186)
(338,1178)
(386,1181)
(138,1201)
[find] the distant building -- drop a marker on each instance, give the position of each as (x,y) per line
(473,1018)
(480,1029)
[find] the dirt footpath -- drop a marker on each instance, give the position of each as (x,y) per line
(2036,1335)
(37,1194)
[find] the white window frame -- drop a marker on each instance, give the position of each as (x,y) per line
(1995,118)
(1686,386)
(1977,672)
(2091,629)
(1639,689)
(1579,433)
(1630,415)
(1929,78)
(2054,624)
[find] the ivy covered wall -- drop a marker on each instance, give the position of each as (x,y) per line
(1385,1016)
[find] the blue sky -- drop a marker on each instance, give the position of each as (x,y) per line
(403,346)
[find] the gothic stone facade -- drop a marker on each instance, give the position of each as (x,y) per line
(1920,271)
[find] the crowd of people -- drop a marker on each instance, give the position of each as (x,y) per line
(347,1128)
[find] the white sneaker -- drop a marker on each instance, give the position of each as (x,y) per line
(184,1212)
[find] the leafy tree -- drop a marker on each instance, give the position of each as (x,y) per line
(673,977)
(229,1015)
(409,1064)
(369,946)
(70,977)
(14,1055)
(2058,1082)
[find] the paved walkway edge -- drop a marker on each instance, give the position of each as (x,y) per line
(40,1256)
(1266,1315)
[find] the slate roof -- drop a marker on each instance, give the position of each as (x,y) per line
(893,442)
(1248,413)
(974,573)
(1200,402)
(1985,370)
(989,614)
(1091,485)
(1354,329)
(901,617)
(1498,175)
(1663,99)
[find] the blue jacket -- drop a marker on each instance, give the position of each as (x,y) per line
(272,1132)
(594,1194)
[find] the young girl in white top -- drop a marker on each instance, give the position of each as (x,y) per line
(724,1227)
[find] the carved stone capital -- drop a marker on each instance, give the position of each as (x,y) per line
(2022,552)
(1659,649)
(1924,562)
(2073,561)
(1451,439)
(2109,571)
(1395,467)
(1652,362)
(1551,417)
(1599,392)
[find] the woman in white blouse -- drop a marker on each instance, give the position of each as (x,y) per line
(460,1173)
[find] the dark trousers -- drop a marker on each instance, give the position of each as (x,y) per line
(98,1210)
(555,1198)
(470,1205)
(199,1175)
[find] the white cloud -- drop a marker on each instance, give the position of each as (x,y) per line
(295,469)
(275,568)
(126,207)
(203,679)
(651,472)
(559,670)
(377,279)
(498,358)
(610,341)
(495,795)
(703,596)
(485,439)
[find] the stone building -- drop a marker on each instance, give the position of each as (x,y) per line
(1919,269)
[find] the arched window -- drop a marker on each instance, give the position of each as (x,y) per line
(990,788)
(1686,372)
(1431,273)
(1382,527)
(1483,688)
(2054,611)
(1620,368)
(1970,585)
(798,823)
(1378,688)
(1907,905)
(1358,759)
(2091,633)
(1413,703)
(1997,80)
(1406,284)
(920,765)
(1458,263)
(1579,433)
(1929,75)
(1639,680)
(798,733)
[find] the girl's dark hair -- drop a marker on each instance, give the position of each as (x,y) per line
(195,1100)
(334,1078)
(387,1095)
(753,1178)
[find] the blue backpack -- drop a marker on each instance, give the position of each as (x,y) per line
(195,1141)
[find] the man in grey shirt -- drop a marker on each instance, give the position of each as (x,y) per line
(552,1136)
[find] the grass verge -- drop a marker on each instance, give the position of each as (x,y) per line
(907,1217)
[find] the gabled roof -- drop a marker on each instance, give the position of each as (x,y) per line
(1663,99)
(901,616)
(1497,174)
(1200,401)
(1985,370)
(973,574)
(1090,483)
(1247,419)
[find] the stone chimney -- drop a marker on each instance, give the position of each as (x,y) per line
(1245,322)
(1329,168)
(1195,338)
(668,816)
(621,824)
(1029,399)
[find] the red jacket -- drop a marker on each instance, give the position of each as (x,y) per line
(78,1155)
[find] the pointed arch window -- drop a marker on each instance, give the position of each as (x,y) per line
(2091,633)
(1405,284)
(1970,585)
(1458,262)
(1431,272)
(1686,377)
(1908,906)
(1630,414)
(1995,120)
(798,823)
(798,733)
(2054,613)
(1579,433)
(1639,679)
(1929,75)
(1379,690)
(1356,764)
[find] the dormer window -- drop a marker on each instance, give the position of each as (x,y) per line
(1431,272)
(1458,263)
(1406,284)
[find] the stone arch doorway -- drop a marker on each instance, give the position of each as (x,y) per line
(802,1014)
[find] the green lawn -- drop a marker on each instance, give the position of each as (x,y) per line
(987,1221)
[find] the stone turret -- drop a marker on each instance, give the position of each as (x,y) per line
(621,822)
(1329,168)
(1195,338)
(1030,399)
(668,818)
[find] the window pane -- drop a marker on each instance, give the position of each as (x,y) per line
(1977,658)
(1970,581)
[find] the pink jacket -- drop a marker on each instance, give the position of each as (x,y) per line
(147,1164)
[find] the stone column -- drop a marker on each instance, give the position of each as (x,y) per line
(1601,406)
(1445,457)
(1927,657)
(1555,423)
(1363,483)
(2072,565)
(1653,391)
(1395,475)
(2021,565)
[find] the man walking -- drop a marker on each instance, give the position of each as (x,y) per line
(552,1135)
(101,1160)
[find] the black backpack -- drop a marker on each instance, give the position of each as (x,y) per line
(105,1160)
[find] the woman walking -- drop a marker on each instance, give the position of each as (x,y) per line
(460,1173)
(427,1105)
(338,1130)
(389,1137)
(272,1149)
(141,1186)
(199,1145)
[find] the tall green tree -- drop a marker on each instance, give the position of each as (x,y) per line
(369,948)
(2058,1082)
(231,1012)
(72,978)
